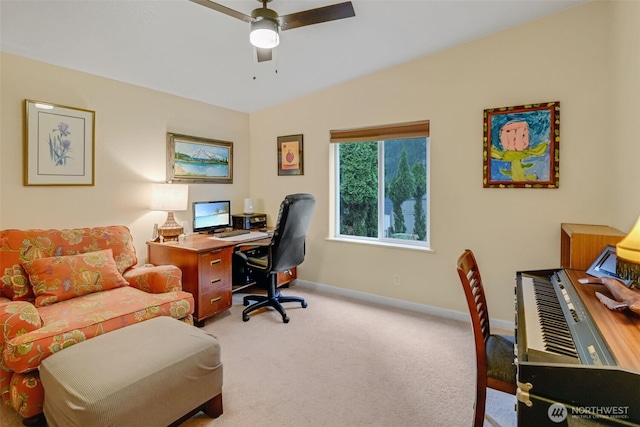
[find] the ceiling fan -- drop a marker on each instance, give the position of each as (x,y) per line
(266,24)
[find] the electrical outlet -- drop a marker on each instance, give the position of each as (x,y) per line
(396,280)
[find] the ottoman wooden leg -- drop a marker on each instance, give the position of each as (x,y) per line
(213,407)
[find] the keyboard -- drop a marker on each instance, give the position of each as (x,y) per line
(254,235)
(231,233)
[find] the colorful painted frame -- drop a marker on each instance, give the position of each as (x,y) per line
(193,159)
(521,146)
(290,155)
(59,145)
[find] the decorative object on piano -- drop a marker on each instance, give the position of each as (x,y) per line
(290,155)
(521,146)
(624,297)
(199,160)
(170,198)
(604,266)
(628,256)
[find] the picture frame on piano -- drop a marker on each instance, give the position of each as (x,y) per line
(605,265)
(521,146)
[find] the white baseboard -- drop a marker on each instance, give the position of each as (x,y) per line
(398,303)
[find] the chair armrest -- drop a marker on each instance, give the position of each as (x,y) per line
(156,280)
(254,249)
(17,318)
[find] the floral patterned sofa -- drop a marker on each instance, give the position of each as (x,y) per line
(61,287)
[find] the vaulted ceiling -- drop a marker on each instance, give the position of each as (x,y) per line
(183,48)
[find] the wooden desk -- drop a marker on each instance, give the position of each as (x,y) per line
(206,265)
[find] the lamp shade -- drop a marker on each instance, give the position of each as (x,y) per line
(629,247)
(169,197)
(264,33)
(628,256)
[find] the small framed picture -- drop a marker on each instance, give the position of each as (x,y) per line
(59,145)
(199,160)
(521,146)
(290,155)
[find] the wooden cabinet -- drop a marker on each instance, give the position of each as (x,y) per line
(206,271)
(207,267)
(580,244)
(287,277)
(214,278)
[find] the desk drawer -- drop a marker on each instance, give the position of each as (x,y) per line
(215,270)
(211,303)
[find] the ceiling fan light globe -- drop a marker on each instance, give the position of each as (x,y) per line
(264,34)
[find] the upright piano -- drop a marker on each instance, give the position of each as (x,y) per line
(578,363)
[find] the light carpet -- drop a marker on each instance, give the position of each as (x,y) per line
(344,362)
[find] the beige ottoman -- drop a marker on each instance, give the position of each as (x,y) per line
(152,373)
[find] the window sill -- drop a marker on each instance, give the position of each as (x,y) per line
(382,244)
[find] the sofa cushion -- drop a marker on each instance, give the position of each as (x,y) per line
(78,319)
(61,278)
(19,246)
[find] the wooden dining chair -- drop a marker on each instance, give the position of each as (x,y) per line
(494,353)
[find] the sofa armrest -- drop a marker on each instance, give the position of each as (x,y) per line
(156,280)
(17,318)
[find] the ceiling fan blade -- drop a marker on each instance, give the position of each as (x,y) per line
(227,11)
(263,54)
(316,16)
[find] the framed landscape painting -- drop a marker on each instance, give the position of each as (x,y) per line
(59,145)
(199,160)
(521,146)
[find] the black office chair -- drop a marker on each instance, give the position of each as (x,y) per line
(286,250)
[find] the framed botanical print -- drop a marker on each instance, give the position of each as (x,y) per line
(59,145)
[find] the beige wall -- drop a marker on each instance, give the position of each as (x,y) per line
(586,58)
(568,57)
(130,150)
(624,140)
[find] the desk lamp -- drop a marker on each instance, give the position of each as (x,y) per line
(628,256)
(169,197)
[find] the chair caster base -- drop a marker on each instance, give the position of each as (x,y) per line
(273,301)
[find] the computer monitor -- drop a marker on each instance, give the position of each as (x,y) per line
(210,216)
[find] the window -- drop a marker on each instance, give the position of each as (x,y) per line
(381,185)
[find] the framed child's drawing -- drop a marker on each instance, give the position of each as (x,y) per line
(521,146)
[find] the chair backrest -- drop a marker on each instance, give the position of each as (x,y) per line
(288,243)
(474,291)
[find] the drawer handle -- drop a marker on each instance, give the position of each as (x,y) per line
(213,300)
(217,279)
(215,261)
